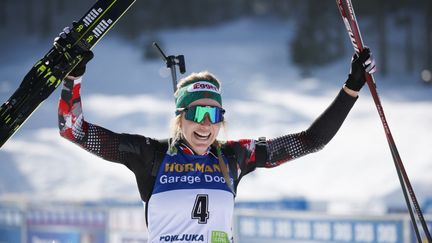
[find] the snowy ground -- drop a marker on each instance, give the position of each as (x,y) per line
(265,95)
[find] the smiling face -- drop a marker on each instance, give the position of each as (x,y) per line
(199,136)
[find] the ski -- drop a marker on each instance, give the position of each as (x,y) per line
(346,10)
(46,75)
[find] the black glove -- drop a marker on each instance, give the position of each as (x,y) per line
(64,44)
(80,69)
(360,64)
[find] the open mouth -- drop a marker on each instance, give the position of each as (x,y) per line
(202,136)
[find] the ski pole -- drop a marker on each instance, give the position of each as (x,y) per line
(347,12)
(171,62)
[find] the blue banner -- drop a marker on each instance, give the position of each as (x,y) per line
(66,225)
(11,222)
(65,235)
(254,229)
(10,234)
(60,237)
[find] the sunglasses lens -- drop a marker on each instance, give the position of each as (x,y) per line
(198,114)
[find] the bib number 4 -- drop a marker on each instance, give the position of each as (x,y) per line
(200,209)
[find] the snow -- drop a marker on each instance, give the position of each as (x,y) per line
(264,94)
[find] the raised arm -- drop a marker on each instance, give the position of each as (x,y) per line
(322,130)
(75,128)
(123,148)
(288,147)
(276,151)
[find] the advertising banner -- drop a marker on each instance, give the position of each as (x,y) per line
(71,225)
(11,221)
(278,227)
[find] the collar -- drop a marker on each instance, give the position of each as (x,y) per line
(185,148)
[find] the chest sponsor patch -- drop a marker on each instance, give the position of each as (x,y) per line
(178,172)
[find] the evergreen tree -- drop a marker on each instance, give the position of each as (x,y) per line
(47,20)
(3,12)
(428,24)
(317,42)
(29,17)
(381,24)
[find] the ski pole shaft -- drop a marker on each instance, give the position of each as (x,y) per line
(347,11)
(174,78)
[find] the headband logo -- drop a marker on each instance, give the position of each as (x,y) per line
(203,86)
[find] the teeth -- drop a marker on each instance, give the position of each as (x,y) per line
(202,136)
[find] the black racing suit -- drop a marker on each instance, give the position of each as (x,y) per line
(184,171)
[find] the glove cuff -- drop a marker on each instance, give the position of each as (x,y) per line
(353,84)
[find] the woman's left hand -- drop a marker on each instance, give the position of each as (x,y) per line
(360,64)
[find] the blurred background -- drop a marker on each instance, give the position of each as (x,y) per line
(281,63)
(316,39)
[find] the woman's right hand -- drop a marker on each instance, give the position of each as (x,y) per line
(80,69)
(64,44)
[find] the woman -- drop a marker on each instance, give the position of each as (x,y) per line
(189,181)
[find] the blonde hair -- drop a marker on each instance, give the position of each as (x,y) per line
(176,133)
